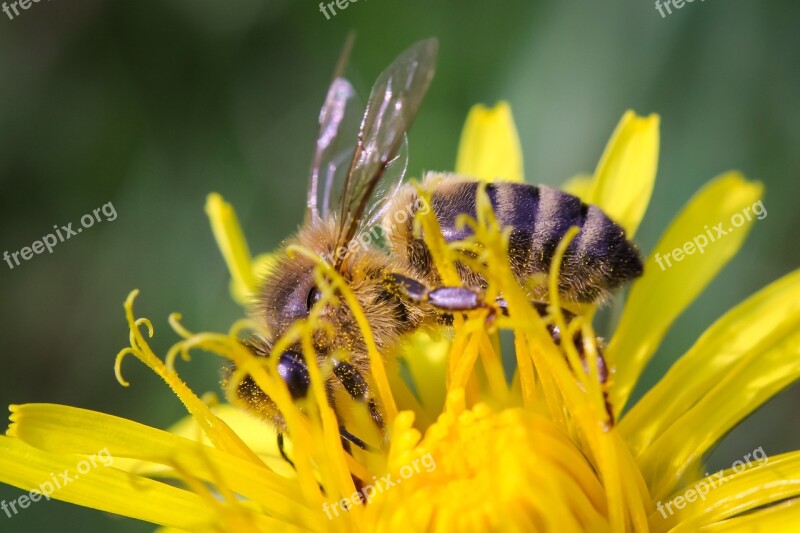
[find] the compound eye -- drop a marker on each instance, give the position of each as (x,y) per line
(313,297)
(292,369)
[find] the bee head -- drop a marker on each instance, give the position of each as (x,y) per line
(289,292)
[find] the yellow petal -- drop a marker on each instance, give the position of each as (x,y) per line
(103,488)
(626,173)
(69,430)
(580,186)
(734,338)
(490,148)
(259,435)
(662,294)
(738,490)
(762,372)
(232,244)
(776,518)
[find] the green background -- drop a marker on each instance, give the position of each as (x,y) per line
(151,105)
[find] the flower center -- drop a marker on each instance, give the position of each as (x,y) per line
(477,468)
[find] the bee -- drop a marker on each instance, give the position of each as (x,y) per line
(398,289)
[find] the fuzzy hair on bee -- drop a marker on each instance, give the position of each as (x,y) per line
(396,286)
(599,259)
(289,291)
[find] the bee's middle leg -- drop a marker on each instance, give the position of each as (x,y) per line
(577,339)
(358,389)
(282,450)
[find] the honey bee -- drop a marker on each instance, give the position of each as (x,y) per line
(398,289)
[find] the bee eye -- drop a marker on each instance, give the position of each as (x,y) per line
(313,297)
(292,369)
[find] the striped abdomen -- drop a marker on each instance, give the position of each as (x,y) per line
(599,259)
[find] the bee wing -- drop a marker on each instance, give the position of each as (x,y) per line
(391,108)
(328,152)
(337,114)
(387,187)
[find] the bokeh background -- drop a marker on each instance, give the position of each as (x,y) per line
(152,105)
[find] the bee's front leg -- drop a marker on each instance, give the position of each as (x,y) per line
(443,298)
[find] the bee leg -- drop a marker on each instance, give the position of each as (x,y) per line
(602,369)
(356,386)
(577,339)
(348,438)
(282,450)
(443,298)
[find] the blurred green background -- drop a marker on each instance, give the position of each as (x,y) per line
(153,105)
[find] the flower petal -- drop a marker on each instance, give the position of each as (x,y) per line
(755,485)
(626,173)
(259,436)
(662,294)
(490,148)
(107,489)
(782,517)
(232,244)
(69,430)
(580,186)
(765,370)
(425,353)
(731,340)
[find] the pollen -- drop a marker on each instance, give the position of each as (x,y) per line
(510,469)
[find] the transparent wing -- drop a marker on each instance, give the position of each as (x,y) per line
(388,185)
(329,152)
(391,108)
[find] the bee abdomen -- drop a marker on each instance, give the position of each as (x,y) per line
(598,260)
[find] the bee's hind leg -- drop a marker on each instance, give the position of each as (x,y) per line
(577,339)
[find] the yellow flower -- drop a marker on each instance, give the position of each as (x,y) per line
(467,448)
